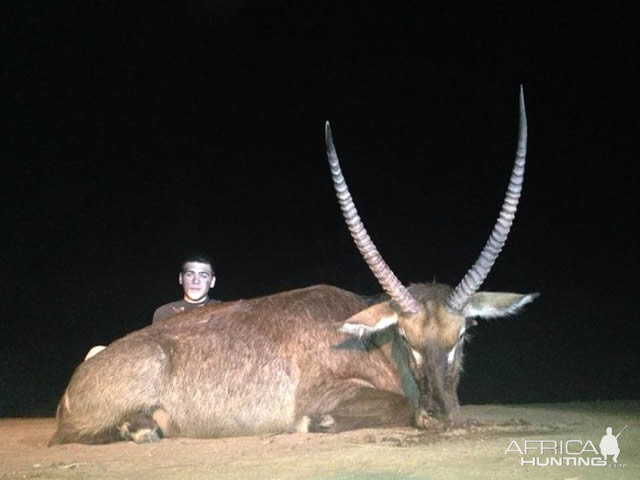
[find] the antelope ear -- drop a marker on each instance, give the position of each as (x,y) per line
(496,304)
(371,320)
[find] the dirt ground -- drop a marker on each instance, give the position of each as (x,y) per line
(470,453)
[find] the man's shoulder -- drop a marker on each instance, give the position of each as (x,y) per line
(176,306)
(169,310)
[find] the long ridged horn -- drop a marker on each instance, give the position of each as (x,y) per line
(479,271)
(387,279)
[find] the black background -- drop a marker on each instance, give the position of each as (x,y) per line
(135,134)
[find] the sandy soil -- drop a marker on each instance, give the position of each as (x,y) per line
(470,453)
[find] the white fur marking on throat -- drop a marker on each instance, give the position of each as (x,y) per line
(452,354)
(417,356)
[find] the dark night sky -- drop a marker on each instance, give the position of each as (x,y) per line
(136,134)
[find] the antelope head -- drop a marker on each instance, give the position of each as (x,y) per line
(434,318)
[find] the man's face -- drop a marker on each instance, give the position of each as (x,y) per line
(196,280)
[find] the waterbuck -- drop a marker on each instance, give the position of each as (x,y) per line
(314,359)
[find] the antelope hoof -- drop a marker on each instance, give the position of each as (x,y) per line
(140,429)
(145,436)
(425,421)
(321,423)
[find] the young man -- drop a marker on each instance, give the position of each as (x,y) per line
(197,277)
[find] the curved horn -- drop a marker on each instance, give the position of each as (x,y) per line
(368,250)
(479,271)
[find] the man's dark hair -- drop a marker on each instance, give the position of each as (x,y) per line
(200,258)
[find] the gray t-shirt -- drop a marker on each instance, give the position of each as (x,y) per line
(179,306)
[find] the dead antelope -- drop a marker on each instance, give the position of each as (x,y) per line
(318,358)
